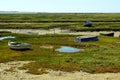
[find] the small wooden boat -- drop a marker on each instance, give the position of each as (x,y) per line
(86,38)
(107,34)
(18,45)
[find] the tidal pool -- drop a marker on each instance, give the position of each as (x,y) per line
(6,37)
(67,49)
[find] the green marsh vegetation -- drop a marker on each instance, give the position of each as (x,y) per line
(98,57)
(72,21)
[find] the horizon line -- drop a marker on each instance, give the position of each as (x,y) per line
(49,12)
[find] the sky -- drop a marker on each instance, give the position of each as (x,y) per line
(61,6)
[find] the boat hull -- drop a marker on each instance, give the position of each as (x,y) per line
(86,38)
(19,46)
(107,34)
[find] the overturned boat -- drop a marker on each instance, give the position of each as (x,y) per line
(19,45)
(107,34)
(86,38)
(88,24)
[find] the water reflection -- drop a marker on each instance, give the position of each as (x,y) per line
(6,37)
(67,49)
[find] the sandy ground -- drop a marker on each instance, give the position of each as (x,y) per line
(56,30)
(10,71)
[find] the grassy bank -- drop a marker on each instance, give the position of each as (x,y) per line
(97,26)
(99,56)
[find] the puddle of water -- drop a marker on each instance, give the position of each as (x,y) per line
(67,49)
(6,37)
(32,33)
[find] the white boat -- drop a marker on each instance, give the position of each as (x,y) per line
(19,45)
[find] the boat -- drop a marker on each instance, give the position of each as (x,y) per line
(88,24)
(86,38)
(107,34)
(18,45)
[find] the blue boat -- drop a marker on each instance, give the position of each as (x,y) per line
(86,38)
(88,24)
